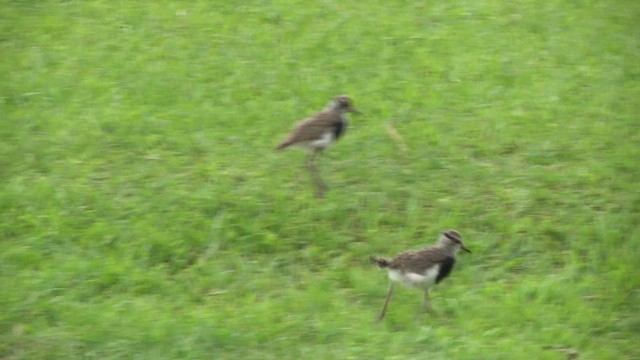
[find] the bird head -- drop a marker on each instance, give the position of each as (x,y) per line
(452,238)
(344,103)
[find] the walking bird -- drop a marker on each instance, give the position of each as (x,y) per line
(317,133)
(422,269)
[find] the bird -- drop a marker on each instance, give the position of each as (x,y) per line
(422,269)
(318,132)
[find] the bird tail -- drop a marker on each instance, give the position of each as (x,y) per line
(283,145)
(380,261)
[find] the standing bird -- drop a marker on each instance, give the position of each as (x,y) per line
(318,132)
(422,269)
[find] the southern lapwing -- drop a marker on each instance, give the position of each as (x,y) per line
(422,269)
(317,133)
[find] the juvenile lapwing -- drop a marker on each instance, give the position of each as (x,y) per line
(317,133)
(422,269)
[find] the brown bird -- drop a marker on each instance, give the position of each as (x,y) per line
(317,133)
(422,269)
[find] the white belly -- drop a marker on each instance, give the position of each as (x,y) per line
(319,144)
(419,281)
(326,140)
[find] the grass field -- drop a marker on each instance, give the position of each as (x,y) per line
(144,215)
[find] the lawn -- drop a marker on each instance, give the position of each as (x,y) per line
(144,215)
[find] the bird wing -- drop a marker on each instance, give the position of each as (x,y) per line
(313,128)
(418,261)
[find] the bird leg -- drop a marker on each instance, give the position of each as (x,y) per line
(427,302)
(321,187)
(384,309)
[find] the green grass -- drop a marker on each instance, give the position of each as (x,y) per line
(143,214)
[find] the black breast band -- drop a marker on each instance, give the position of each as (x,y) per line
(339,128)
(445,268)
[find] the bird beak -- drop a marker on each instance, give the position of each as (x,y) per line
(355,111)
(464,248)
